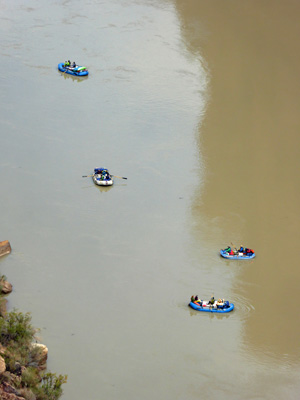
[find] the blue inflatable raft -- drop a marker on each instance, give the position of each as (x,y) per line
(239,256)
(217,307)
(75,71)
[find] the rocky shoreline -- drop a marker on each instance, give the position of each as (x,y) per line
(23,361)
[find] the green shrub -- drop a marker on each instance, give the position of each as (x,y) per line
(17,335)
(30,377)
(16,326)
(2,280)
(50,388)
(27,394)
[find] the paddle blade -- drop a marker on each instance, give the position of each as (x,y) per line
(121,177)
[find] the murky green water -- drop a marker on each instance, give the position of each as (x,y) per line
(196,104)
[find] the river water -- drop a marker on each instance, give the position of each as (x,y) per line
(196,103)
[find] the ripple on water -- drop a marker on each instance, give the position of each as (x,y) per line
(193,313)
(242,306)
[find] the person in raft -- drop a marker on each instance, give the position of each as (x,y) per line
(195,299)
(68,64)
(198,302)
(245,251)
(105,175)
(229,251)
(212,300)
(248,252)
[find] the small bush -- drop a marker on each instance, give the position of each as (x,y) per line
(17,335)
(16,327)
(27,394)
(50,388)
(2,279)
(30,377)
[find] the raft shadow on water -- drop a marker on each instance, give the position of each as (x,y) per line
(74,78)
(206,314)
(104,188)
(210,314)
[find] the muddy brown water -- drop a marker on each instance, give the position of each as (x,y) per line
(251,143)
(196,102)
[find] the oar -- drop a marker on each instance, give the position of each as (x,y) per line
(233,246)
(87,176)
(121,177)
(66,68)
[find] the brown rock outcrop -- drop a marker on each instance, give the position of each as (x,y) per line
(5,287)
(3,307)
(4,248)
(2,349)
(39,355)
(8,392)
(2,365)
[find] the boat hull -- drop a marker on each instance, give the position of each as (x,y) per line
(207,308)
(71,72)
(102,182)
(224,254)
